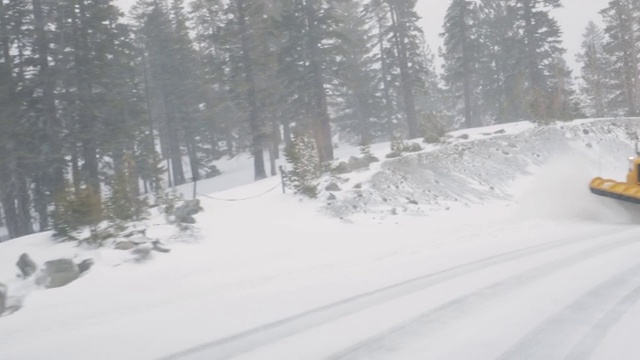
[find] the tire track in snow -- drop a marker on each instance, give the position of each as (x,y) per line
(590,342)
(591,314)
(430,320)
(257,337)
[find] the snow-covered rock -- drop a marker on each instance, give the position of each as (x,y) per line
(27,266)
(184,213)
(57,273)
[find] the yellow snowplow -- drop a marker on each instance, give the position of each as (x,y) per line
(626,191)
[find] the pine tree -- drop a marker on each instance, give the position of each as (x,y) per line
(357,100)
(462,54)
(595,89)
(539,45)
(156,34)
(305,171)
(246,14)
(621,18)
(403,60)
(16,157)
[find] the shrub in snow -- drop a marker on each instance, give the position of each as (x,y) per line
(433,129)
(168,200)
(75,210)
(81,214)
(305,171)
(122,205)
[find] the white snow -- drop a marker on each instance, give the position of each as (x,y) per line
(504,245)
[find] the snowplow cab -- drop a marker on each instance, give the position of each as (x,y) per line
(626,191)
(633,177)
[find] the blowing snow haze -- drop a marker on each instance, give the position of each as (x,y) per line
(573,18)
(207,182)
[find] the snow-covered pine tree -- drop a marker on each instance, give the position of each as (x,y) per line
(305,170)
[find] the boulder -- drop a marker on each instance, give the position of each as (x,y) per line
(333,187)
(142,252)
(85,265)
(124,245)
(341,168)
(59,273)
(371,159)
(331,197)
(3,297)
(413,147)
(184,213)
(394,154)
(356,163)
(157,246)
(27,266)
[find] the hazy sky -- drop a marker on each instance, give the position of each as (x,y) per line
(573,19)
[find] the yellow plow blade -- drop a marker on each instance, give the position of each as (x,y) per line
(616,190)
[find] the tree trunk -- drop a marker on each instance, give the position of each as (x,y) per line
(320,112)
(53,126)
(89,170)
(257,133)
(388,104)
(466,65)
(40,202)
(399,37)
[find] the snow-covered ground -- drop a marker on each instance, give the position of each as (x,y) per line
(488,246)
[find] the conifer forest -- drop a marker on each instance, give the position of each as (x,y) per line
(99,108)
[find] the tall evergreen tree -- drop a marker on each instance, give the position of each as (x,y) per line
(15,157)
(462,55)
(540,44)
(622,19)
(403,61)
(357,101)
(595,89)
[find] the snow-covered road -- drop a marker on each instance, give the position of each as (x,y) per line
(555,300)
